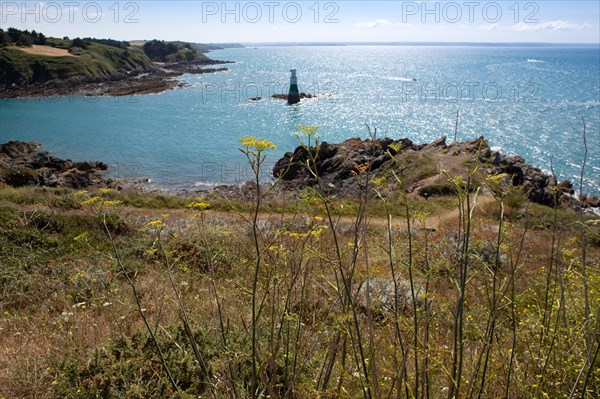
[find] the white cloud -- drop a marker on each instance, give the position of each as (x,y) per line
(378,23)
(550,25)
(489,27)
(374,24)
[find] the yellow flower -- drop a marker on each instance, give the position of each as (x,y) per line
(296,235)
(80,193)
(308,130)
(380,181)
(54,382)
(496,179)
(106,190)
(318,231)
(396,146)
(91,201)
(199,205)
(81,237)
(155,223)
(252,142)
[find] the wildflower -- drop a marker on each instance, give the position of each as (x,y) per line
(380,181)
(81,237)
(54,382)
(496,179)
(80,193)
(318,218)
(396,146)
(318,231)
(106,190)
(252,142)
(155,223)
(91,201)
(308,131)
(296,235)
(199,205)
(151,251)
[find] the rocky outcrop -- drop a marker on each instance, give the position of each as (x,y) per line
(22,164)
(343,169)
(151,80)
(285,96)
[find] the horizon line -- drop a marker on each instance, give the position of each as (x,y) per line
(409,43)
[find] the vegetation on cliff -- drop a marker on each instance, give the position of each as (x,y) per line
(93,58)
(22,65)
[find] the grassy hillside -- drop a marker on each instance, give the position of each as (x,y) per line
(123,294)
(17,66)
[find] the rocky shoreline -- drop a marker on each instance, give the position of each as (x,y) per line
(23,164)
(156,79)
(345,169)
(423,168)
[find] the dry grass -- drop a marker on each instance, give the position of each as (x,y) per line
(80,331)
(46,50)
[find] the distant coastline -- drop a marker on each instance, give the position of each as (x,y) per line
(428,44)
(154,79)
(34,66)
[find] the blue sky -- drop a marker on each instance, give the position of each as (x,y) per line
(318,21)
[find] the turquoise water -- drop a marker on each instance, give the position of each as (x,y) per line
(526,101)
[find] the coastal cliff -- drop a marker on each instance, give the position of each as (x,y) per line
(59,67)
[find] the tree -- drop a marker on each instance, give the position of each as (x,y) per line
(4,39)
(77,42)
(190,55)
(158,50)
(24,39)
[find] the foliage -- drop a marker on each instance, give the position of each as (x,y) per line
(469,295)
(92,58)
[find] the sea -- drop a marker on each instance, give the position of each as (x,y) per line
(535,101)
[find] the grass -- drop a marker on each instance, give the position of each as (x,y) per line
(324,323)
(97,59)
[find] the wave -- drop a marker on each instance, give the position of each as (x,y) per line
(402,79)
(534,60)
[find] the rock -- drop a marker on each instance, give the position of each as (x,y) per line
(18,149)
(285,96)
(441,142)
(23,164)
(593,201)
(342,168)
(384,294)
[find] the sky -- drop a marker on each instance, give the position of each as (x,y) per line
(547,21)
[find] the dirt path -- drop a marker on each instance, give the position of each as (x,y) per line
(179,216)
(178,219)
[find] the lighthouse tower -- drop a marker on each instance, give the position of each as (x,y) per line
(294,94)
